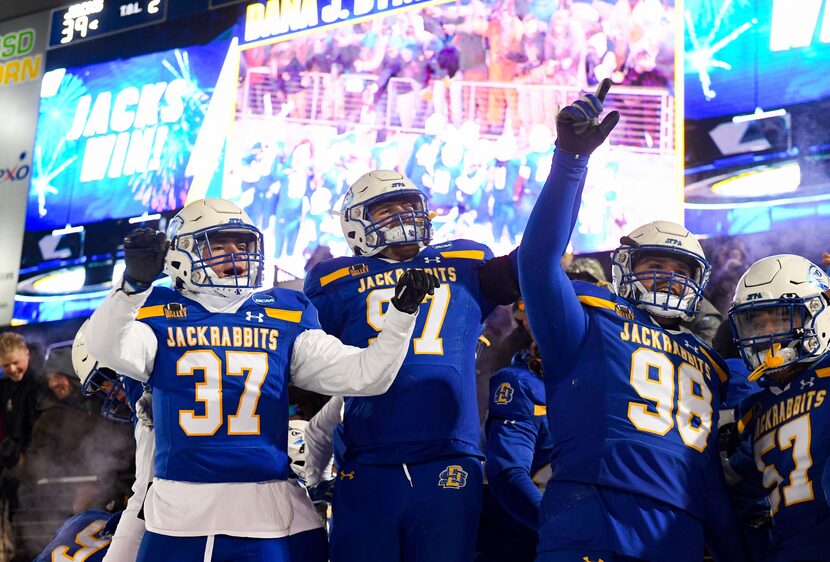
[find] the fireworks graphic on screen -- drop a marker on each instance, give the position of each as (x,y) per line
(703,57)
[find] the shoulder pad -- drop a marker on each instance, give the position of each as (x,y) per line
(463,249)
(330,271)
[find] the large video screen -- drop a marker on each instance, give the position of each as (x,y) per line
(743,54)
(116,140)
(462,99)
(289,109)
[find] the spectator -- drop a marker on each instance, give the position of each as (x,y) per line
(565,51)
(588,270)
(504,33)
(69,438)
(706,323)
(19,397)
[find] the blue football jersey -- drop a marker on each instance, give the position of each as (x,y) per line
(219,382)
(786,440)
(519,443)
(431,408)
(79,538)
(637,411)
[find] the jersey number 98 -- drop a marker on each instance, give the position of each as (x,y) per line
(653,377)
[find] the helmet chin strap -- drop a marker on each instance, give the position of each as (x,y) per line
(776,357)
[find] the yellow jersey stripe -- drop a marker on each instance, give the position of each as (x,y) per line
(823,373)
(333,276)
(597,302)
(281,314)
(150,312)
(744,421)
(721,373)
(464,254)
(540,410)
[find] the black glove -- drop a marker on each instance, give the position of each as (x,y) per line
(413,286)
(578,128)
(144,250)
(9,452)
(322,492)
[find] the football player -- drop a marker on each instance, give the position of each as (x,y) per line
(631,402)
(120,401)
(81,537)
(409,487)
(518,460)
(218,356)
(781,321)
(307,540)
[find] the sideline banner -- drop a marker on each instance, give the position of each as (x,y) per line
(22,60)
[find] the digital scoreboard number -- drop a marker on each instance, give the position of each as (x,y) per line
(96,18)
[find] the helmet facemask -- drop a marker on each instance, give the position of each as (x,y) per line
(773,335)
(214,270)
(671,294)
(108,385)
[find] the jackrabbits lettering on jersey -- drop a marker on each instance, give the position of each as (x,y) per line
(786,437)
(430,410)
(636,413)
(231,424)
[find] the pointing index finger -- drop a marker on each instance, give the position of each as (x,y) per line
(602,89)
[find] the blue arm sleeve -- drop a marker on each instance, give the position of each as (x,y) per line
(510,446)
(723,534)
(556,317)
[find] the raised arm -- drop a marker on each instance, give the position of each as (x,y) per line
(322,363)
(113,335)
(554,312)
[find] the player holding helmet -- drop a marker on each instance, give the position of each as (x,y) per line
(218,356)
(410,484)
(631,401)
(781,321)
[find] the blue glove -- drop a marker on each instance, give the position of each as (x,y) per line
(578,129)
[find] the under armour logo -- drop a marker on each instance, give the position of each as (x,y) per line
(344,475)
(808,382)
(691,346)
(250,316)
(436,259)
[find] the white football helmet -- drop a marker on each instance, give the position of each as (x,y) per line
(779,315)
(296,446)
(673,295)
(98,380)
(368,237)
(189,262)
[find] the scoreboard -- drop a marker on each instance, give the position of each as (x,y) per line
(97,18)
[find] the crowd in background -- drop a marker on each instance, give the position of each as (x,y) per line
(560,43)
(460,97)
(58,455)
